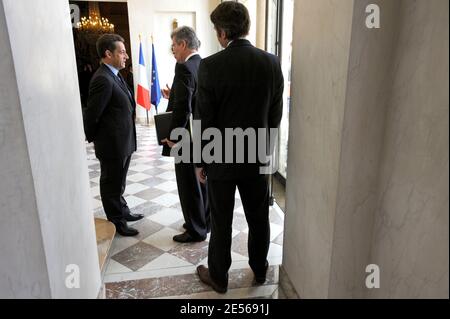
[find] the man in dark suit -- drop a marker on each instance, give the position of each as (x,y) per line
(239,87)
(109,122)
(182,99)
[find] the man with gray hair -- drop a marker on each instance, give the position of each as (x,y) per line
(182,98)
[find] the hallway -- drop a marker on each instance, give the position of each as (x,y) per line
(152,265)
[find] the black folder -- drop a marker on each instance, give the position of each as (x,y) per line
(163,122)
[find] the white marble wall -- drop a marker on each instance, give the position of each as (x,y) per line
(368,151)
(320,64)
(411,233)
(368,83)
(50,185)
(23,271)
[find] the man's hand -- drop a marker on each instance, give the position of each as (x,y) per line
(201,174)
(166,92)
(169,143)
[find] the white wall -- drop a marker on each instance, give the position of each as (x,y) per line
(368,84)
(411,231)
(47,220)
(368,157)
(319,71)
(20,231)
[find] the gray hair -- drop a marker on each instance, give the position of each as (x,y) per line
(187,34)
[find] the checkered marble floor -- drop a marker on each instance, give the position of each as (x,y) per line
(153,255)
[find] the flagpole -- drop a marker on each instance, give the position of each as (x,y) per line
(151,37)
(140,41)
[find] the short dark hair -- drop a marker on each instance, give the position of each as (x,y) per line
(232,18)
(107,42)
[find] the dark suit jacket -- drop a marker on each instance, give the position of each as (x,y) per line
(109,119)
(183,95)
(239,87)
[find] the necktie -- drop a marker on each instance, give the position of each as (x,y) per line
(123,82)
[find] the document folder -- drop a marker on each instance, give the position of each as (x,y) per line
(163,122)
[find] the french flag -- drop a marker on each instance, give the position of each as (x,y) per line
(143,92)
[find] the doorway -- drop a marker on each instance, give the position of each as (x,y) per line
(85,39)
(279,34)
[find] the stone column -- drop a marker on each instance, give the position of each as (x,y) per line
(46,218)
(368,152)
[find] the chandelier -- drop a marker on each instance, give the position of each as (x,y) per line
(95,23)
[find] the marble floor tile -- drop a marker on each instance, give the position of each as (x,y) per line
(168,175)
(191,252)
(152,273)
(148,208)
(275,250)
(275,218)
(135,188)
(167,216)
(167,166)
(166,200)
(94,174)
(178,225)
(190,285)
(149,193)
(279,239)
(146,228)
(239,222)
(120,243)
(165,261)
(163,239)
(275,230)
(116,268)
(238,257)
(95,191)
(161,161)
(239,210)
(239,244)
(168,186)
(167,159)
(133,201)
(152,181)
(96,203)
(140,167)
(137,256)
(154,171)
(138,177)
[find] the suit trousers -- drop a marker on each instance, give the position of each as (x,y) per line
(112,186)
(254,194)
(193,199)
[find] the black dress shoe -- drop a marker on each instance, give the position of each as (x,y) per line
(124,230)
(133,217)
(204,276)
(187,238)
(261,278)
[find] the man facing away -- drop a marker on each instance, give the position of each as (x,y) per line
(239,87)
(182,99)
(109,122)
